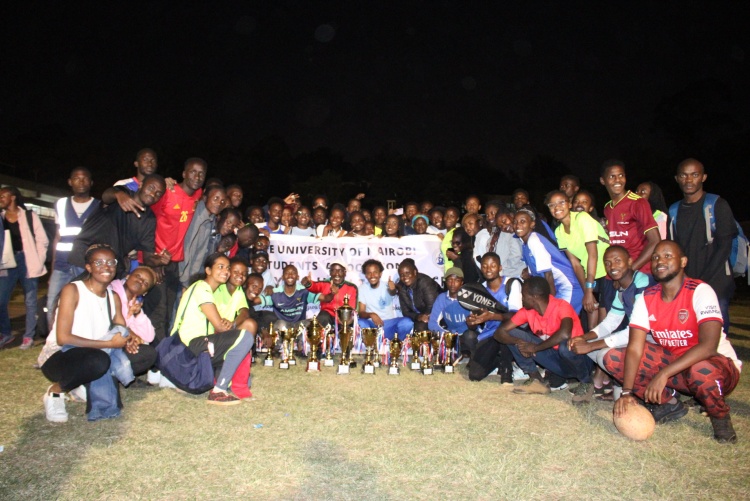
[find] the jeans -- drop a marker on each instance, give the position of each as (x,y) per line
(562,361)
(400,325)
(29,285)
(58,280)
(724,307)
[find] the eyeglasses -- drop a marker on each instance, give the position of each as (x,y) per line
(101,262)
(561,203)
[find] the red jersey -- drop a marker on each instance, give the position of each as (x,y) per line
(324,287)
(174,211)
(674,325)
(627,223)
(544,326)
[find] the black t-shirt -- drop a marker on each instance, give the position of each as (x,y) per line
(15,235)
(707,262)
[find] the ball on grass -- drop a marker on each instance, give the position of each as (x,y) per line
(637,423)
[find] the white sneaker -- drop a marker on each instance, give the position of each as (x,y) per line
(153,378)
(518,374)
(54,407)
(78,394)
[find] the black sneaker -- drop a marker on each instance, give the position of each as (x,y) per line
(665,413)
(723,430)
(555,382)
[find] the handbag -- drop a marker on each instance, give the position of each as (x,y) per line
(190,373)
(9,257)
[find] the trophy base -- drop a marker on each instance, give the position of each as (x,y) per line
(376,364)
(437,367)
(343,369)
(284,365)
(368,369)
(268,362)
(416,366)
(313,366)
(393,371)
(292,361)
(427,371)
(449,369)
(328,362)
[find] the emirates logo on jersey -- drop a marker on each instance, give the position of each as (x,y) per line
(683,316)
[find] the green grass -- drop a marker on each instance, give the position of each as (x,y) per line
(361,437)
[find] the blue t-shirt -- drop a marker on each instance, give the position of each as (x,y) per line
(449,311)
(511,301)
(541,256)
(377,300)
(290,308)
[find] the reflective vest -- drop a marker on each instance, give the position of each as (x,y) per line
(70,225)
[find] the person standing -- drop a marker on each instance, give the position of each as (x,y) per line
(29,242)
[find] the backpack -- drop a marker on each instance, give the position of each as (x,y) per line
(738,257)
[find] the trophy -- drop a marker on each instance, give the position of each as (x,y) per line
(370,338)
(314,335)
(345,315)
(376,356)
(269,340)
(287,345)
(395,349)
(330,337)
(435,341)
(425,338)
(450,342)
(414,344)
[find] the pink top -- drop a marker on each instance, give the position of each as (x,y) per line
(139,324)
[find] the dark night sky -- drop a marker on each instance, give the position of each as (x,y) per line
(577,81)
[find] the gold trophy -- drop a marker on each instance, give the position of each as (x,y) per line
(450,342)
(396,345)
(414,343)
(330,336)
(287,345)
(269,340)
(370,338)
(345,314)
(314,335)
(435,342)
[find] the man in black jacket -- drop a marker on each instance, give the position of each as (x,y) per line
(416,293)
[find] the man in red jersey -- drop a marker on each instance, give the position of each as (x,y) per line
(691,355)
(630,221)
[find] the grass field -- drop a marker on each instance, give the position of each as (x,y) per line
(308,436)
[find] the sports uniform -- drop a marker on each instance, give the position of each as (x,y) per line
(627,223)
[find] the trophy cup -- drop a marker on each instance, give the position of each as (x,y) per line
(450,342)
(376,356)
(395,349)
(435,340)
(287,344)
(414,344)
(292,359)
(426,338)
(370,338)
(330,336)
(269,340)
(345,315)
(314,335)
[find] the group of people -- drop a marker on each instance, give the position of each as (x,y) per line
(631,306)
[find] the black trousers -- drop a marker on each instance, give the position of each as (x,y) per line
(159,302)
(488,356)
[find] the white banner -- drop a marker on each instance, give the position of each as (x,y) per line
(313,255)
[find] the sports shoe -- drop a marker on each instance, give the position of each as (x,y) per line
(723,430)
(6,340)
(665,413)
(54,407)
(222,398)
(26,343)
(532,386)
(584,393)
(555,382)
(153,377)
(519,374)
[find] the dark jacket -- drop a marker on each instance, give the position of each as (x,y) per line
(424,292)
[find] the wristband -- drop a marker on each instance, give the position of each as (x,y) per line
(590,285)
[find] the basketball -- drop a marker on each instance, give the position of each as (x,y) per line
(637,423)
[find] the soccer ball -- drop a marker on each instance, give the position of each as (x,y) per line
(637,423)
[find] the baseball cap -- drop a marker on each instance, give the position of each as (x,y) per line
(454,270)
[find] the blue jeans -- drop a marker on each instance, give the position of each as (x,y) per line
(58,280)
(562,361)
(29,285)
(400,325)
(724,307)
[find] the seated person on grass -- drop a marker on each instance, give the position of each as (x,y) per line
(289,301)
(263,315)
(612,331)
(486,353)
(417,293)
(376,303)
(333,292)
(691,355)
(550,323)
